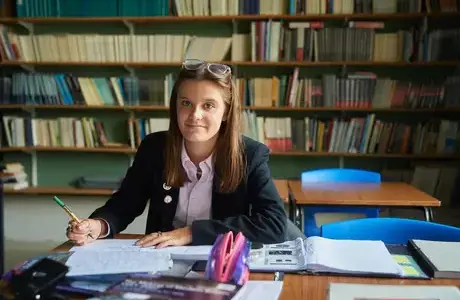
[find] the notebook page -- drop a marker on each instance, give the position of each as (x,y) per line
(350,256)
(112,262)
(441,254)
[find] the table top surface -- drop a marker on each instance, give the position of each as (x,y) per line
(312,287)
(283,188)
(371,194)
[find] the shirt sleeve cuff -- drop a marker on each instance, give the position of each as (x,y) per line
(108,229)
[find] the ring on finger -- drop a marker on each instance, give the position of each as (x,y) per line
(159,233)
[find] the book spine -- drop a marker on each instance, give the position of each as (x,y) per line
(421,259)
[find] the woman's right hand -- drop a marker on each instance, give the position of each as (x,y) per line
(85,231)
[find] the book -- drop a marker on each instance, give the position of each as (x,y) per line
(168,287)
(321,255)
(357,291)
(436,257)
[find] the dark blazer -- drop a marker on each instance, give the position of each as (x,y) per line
(254,208)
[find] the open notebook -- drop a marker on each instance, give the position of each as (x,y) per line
(321,255)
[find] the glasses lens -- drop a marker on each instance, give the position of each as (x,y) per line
(193,64)
(218,69)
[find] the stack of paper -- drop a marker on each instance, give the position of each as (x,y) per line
(177,252)
(123,256)
(112,262)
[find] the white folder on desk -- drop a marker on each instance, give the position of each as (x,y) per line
(321,255)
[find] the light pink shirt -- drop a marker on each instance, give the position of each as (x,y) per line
(195,196)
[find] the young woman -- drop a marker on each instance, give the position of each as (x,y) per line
(202,176)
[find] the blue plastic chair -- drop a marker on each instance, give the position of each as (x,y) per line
(390,230)
(335,175)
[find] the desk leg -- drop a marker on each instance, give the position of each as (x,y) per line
(428,214)
(279,276)
(299,217)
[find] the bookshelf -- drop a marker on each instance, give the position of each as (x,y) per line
(255,61)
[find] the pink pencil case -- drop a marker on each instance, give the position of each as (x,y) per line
(229,258)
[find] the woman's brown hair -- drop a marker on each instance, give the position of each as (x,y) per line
(229,161)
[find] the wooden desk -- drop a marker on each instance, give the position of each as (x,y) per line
(312,287)
(385,194)
(315,287)
(283,188)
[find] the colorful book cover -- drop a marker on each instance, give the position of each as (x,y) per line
(167,287)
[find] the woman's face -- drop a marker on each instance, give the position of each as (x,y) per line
(200,110)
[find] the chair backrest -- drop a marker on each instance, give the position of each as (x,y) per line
(390,230)
(340,175)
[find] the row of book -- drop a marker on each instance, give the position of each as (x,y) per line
(267,41)
(359,41)
(353,90)
(90,8)
(110,47)
(357,6)
(65,89)
(141,127)
(59,132)
(72,132)
(369,135)
(109,8)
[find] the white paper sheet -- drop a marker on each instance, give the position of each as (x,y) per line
(112,262)
(350,256)
(349,291)
(258,289)
(177,252)
(112,245)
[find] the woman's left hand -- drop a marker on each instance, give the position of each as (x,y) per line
(178,237)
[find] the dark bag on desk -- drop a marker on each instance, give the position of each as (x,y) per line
(39,281)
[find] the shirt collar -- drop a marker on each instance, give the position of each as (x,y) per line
(206,166)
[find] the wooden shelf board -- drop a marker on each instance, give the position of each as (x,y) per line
(153,19)
(237,63)
(337,109)
(88,64)
(275,153)
(126,150)
(12,149)
(85,107)
(255,108)
(376,155)
(60,191)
